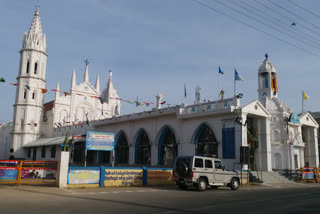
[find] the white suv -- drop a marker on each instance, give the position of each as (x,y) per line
(203,171)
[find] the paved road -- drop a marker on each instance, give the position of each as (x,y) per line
(160,200)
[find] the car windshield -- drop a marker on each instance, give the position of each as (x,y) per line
(185,160)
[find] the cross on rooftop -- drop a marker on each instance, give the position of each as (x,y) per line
(87,62)
(37,5)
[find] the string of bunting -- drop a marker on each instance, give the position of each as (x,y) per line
(43,90)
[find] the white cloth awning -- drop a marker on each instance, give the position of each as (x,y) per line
(46,142)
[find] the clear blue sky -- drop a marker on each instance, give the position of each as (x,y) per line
(158,45)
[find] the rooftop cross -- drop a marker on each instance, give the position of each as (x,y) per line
(37,4)
(87,62)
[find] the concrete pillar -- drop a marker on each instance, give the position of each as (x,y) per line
(131,154)
(313,147)
(154,154)
(62,170)
(265,144)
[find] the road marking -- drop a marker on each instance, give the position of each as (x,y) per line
(200,208)
(117,192)
(270,185)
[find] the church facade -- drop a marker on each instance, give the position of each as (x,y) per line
(261,135)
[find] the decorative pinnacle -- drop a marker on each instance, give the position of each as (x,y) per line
(266,56)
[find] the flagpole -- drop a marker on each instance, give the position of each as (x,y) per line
(234,86)
(218,84)
(302,102)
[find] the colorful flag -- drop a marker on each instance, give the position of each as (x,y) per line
(138,103)
(28,87)
(14,84)
(305,96)
(163,102)
(101,100)
(43,90)
(2,79)
(220,71)
(236,75)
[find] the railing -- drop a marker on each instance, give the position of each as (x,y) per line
(18,172)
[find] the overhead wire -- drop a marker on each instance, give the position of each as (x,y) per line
(275,23)
(310,23)
(283,15)
(253,27)
(296,4)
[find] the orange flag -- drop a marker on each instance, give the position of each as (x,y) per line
(44,90)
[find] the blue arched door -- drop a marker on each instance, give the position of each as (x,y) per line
(143,149)
(122,150)
(167,148)
(206,142)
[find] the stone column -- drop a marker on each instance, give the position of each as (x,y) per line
(264,144)
(62,170)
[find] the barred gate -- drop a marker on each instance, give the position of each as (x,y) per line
(27,172)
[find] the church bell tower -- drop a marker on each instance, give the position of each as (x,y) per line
(267,81)
(28,105)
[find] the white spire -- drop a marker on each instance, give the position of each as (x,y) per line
(73,79)
(86,74)
(35,39)
(58,89)
(98,83)
(36,24)
(110,91)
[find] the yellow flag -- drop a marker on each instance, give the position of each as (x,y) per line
(305,96)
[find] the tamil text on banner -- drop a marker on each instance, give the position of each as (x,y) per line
(78,176)
(100,141)
(160,177)
(123,177)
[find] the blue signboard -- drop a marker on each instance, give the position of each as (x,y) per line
(100,141)
(294,118)
(7,173)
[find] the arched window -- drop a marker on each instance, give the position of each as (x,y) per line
(206,142)
(25,94)
(35,68)
(27,69)
(122,150)
(168,149)
(33,95)
(143,149)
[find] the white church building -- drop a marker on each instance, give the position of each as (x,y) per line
(274,136)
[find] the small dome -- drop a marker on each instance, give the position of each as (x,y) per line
(267,66)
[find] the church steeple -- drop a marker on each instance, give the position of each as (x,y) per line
(34,38)
(267,80)
(73,79)
(98,83)
(28,106)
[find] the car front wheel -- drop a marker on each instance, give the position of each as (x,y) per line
(202,184)
(234,184)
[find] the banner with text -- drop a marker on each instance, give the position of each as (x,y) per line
(100,141)
(159,177)
(79,176)
(123,177)
(8,173)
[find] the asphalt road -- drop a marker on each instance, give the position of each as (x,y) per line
(160,200)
